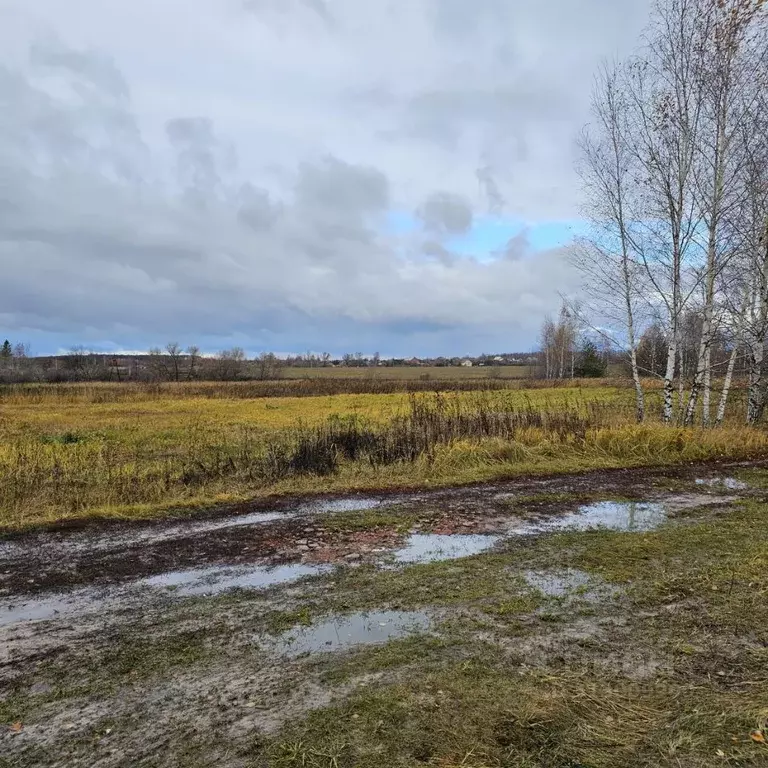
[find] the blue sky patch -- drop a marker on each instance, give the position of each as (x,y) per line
(489,236)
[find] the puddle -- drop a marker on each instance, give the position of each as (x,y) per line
(194,529)
(342,505)
(372,628)
(428,548)
(558,583)
(212,581)
(50,607)
(615,515)
(200,581)
(65,545)
(731,483)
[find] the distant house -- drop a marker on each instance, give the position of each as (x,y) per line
(466,363)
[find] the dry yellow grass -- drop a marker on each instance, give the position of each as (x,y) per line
(73,452)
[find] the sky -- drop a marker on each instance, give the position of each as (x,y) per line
(392,176)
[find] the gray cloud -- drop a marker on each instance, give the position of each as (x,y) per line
(446,213)
(257,210)
(209,172)
(335,185)
(517,247)
(91,67)
(201,157)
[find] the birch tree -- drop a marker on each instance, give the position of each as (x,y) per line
(733,52)
(606,258)
(664,123)
(753,220)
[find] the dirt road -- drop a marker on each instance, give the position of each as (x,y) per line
(199,641)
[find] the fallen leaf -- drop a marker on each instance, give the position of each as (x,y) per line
(16,727)
(758,736)
(720,753)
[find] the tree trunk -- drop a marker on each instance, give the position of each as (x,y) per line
(705,343)
(726,386)
(756,401)
(639,395)
(669,380)
(707,394)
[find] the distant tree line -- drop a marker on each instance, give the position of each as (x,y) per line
(175,362)
(171,363)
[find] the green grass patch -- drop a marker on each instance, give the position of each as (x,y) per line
(476,713)
(483,578)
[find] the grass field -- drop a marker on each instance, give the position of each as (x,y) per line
(424,373)
(168,642)
(70,451)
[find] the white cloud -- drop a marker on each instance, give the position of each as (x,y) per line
(211,170)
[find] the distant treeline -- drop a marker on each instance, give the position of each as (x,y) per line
(177,363)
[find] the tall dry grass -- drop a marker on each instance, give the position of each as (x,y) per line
(438,438)
(100,392)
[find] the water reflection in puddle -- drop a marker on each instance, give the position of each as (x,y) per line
(211,581)
(342,505)
(427,548)
(49,607)
(200,581)
(731,483)
(340,632)
(614,515)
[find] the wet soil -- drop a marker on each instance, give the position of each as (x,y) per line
(292,531)
(109,639)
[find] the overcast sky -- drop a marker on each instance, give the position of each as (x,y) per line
(290,175)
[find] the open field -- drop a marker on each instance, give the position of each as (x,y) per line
(414,372)
(607,619)
(78,451)
(520,577)
(423,372)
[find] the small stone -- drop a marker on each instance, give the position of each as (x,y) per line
(303,548)
(302,542)
(353,557)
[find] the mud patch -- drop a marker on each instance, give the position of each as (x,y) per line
(433,547)
(729,483)
(558,583)
(342,632)
(213,581)
(145,592)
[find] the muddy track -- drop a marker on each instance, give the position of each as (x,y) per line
(292,530)
(104,660)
